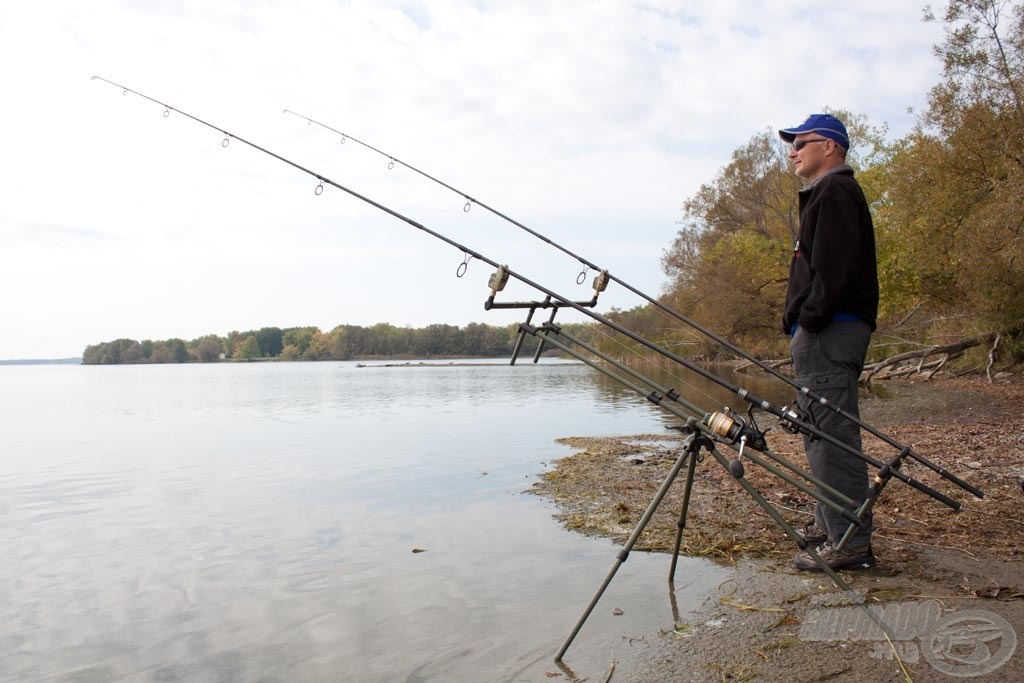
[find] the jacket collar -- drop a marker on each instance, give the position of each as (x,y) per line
(842,168)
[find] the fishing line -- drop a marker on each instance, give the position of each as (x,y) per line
(665,310)
(728,426)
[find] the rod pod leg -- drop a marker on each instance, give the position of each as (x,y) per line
(690,447)
(878,483)
(681,524)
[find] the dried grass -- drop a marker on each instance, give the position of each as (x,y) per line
(605,487)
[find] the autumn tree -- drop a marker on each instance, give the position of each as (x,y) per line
(728,264)
(956,184)
(344,342)
(299,339)
(208,350)
(247,348)
(112,353)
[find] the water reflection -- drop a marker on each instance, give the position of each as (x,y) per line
(255,522)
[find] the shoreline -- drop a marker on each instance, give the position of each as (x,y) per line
(750,629)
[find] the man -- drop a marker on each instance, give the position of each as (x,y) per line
(831,311)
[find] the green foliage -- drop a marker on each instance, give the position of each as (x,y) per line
(298,339)
(114,352)
(270,340)
(129,351)
(248,349)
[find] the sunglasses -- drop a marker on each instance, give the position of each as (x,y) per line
(800,144)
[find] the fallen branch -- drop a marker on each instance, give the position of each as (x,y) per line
(948,351)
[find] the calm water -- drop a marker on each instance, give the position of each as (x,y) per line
(256,523)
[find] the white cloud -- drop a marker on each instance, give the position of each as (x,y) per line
(588,121)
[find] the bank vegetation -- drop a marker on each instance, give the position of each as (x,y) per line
(344,342)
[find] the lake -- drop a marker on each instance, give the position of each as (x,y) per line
(257,522)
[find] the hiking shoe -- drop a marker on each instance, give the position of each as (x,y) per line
(812,533)
(847,558)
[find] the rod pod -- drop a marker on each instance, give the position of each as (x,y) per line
(607,277)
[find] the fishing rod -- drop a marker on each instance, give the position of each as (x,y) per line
(588,265)
(725,424)
(718,427)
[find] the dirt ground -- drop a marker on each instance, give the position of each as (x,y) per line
(773,623)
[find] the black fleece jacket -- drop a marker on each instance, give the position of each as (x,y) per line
(833,270)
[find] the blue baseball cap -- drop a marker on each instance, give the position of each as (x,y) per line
(824,125)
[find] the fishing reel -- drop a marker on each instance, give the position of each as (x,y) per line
(789,415)
(734,429)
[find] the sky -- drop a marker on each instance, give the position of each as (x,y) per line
(589,122)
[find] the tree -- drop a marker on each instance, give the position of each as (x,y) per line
(130,351)
(728,265)
(338,343)
(248,348)
(300,338)
(161,353)
(956,184)
(270,340)
(979,108)
(179,352)
(319,347)
(110,353)
(208,350)
(167,351)
(234,338)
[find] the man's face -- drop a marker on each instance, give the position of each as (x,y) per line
(811,155)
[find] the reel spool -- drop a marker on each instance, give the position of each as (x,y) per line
(733,428)
(790,413)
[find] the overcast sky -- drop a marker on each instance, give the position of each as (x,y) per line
(590,122)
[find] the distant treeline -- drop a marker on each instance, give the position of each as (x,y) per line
(345,342)
(41,361)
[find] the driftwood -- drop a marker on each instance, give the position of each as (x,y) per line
(925,361)
(903,363)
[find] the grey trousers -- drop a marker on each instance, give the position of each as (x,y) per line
(829,363)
